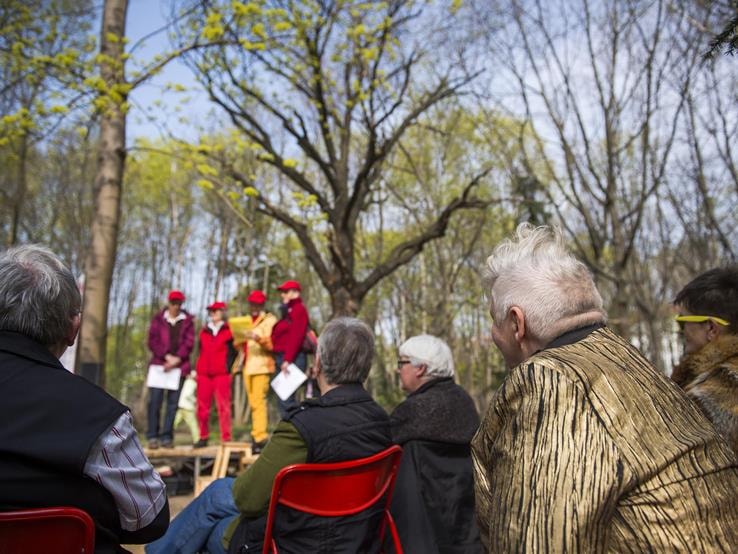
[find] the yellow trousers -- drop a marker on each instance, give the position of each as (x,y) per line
(257,387)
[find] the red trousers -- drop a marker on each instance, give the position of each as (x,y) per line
(220,386)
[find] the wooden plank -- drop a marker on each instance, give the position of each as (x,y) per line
(181,452)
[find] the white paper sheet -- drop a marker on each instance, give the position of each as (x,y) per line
(285,384)
(160,379)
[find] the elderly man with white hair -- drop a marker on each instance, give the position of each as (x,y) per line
(586,447)
(433,504)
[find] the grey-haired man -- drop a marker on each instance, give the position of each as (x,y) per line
(64,441)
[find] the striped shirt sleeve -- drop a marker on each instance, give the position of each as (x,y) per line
(117,462)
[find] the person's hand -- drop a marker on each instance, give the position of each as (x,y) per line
(285,367)
(251,335)
(171,361)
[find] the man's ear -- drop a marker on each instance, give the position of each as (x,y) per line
(518,322)
(421,370)
(713,330)
(74,326)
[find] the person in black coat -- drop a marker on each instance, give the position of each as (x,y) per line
(433,502)
(63,440)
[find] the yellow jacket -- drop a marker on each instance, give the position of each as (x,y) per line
(255,356)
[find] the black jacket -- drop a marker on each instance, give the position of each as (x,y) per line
(433,503)
(344,424)
(50,420)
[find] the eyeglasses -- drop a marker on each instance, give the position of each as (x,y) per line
(401,364)
(682,319)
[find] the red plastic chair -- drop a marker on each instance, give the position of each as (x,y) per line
(43,530)
(346,488)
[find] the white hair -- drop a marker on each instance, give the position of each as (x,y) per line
(536,272)
(431,351)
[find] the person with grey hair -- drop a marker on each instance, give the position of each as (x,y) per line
(434,425)
(586,447)
(64,441)
(344,423)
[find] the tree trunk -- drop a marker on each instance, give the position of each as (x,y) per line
(20,194)
(344,303)
(108,183)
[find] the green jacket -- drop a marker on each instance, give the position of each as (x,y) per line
(252,489)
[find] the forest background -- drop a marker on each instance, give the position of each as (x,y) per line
(374,150)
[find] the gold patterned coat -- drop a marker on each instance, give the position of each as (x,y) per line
(710,378)
(587,448)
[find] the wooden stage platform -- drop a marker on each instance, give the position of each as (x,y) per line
(223,456)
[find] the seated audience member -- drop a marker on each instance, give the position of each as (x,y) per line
(344,423)
(433,503)
(63,440)
(586,447)
(708,372)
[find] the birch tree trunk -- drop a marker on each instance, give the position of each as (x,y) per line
(100,259)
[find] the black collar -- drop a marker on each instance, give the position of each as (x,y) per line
(343,394)
(433,382)
(21,345)
(572,336)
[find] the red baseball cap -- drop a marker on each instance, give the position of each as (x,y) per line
(177,296)
(256,297)
(289,285)
(217,306)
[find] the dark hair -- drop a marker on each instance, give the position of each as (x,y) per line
(715,292)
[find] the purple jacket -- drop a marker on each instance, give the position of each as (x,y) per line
(159,340)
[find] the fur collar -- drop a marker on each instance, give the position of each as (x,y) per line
(721,351)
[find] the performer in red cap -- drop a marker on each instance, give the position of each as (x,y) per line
(255,357)
(288,335)
(171,338)
(214,373)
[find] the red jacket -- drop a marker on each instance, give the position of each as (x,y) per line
(289,332)
(216,351)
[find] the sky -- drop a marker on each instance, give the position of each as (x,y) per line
(145,17)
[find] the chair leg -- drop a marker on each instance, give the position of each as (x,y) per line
(393,532)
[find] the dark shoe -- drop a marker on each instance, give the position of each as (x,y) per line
(257,447)
(202,443)
(153,444)
(167,444)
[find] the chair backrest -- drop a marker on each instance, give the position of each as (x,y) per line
(39,530)
(346,488)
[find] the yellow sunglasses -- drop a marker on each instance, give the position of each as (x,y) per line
(701,319)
